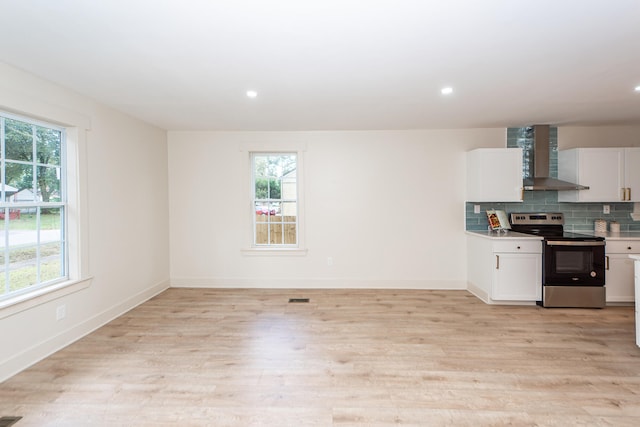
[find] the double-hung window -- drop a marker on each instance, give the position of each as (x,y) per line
(32,205)
(275,199)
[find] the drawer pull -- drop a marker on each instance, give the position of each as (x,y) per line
(497,262)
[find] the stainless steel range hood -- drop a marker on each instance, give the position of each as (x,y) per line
(541,179)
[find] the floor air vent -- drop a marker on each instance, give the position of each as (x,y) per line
(298,300)
(9,421)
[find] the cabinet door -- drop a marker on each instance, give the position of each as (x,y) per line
(517,277)
(619,278)
(601,169)
(494,175)
(632,172)
(637,280)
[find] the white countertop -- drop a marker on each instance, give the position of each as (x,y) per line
(500,235)
(623,235)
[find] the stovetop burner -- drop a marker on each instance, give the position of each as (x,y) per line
(567,235)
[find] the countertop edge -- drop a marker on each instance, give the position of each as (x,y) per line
(622,235)
(499,235)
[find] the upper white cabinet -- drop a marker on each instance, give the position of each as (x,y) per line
(612,174)
(494,175)
(632,173)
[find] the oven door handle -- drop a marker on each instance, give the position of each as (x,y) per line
(573,243)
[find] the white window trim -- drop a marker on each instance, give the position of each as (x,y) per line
(76,126)
(299,148)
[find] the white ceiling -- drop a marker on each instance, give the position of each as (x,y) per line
(337,64)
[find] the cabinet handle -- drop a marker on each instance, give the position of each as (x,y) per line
(497,262)
(606,258)
(624,194)
(629,193)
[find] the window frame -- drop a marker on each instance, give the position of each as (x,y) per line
(269,220)
(6,206)
(75,227)
(248,151)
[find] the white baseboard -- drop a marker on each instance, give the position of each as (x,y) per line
(478,292)
(331,283)
(39,351)
(482,295)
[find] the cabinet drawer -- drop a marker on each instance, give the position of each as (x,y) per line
(623,247)
(525,246)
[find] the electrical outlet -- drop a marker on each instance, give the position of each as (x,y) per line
(61,312)
(606,209)
(330,261)
(476,209)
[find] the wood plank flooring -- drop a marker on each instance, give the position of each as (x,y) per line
(238,357)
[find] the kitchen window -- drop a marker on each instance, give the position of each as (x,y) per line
(32,205)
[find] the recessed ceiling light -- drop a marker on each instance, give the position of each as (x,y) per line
(637,89)
(252,93)
(446,90)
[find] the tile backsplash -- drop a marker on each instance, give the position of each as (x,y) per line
(577,216)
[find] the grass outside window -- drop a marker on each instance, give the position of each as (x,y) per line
(23,269)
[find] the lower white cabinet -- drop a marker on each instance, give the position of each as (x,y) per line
(504,270)
(619,276)
(517,276)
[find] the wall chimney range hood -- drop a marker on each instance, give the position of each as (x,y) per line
(541,177)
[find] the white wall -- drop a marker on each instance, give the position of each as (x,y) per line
(600,136)
(126,179)
(386,206)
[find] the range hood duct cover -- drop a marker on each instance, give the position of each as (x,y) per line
(541,177)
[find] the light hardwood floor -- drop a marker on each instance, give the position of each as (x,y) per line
(348,357)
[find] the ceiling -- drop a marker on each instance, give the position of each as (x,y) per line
(337,64)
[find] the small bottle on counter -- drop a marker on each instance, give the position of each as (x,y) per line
(614,226)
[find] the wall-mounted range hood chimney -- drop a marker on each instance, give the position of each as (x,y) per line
(541,178)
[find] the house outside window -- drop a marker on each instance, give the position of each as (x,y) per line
(32,205)
(275,199)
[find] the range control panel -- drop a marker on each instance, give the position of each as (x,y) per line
(539,218)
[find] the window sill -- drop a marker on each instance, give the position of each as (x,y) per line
(29,300)
(274,252)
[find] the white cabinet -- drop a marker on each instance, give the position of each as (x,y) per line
(494,175)
(632,173)
(505,270)
(517,277)
(637,280)
(620,270)
(609,173)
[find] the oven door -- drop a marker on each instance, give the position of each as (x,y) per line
(573,262)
